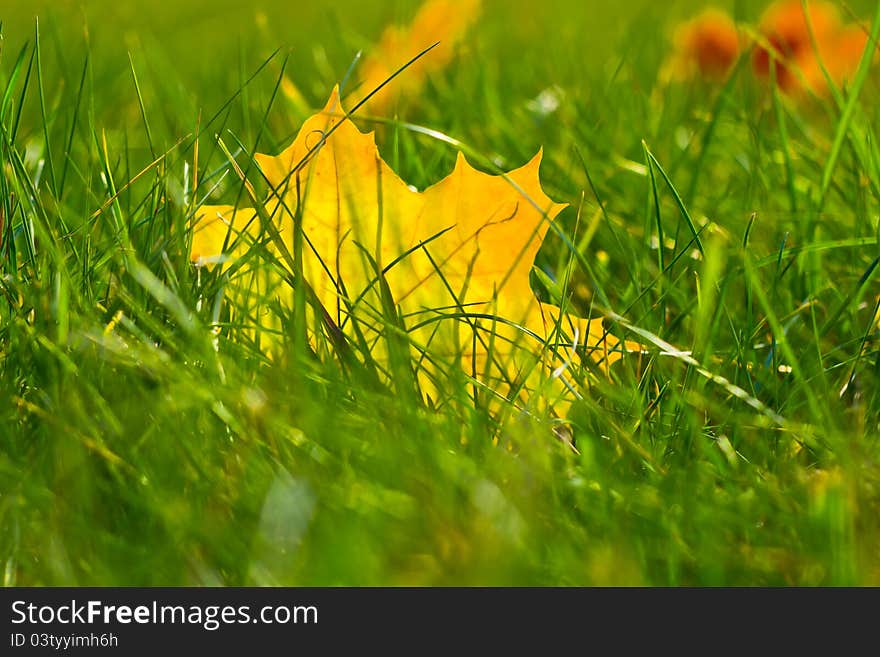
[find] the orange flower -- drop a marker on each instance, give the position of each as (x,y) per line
(796,60)
(843,59)
(707,45)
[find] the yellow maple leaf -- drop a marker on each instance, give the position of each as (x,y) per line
(455,257)
(444,22)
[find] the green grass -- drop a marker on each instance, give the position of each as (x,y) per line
(138,445)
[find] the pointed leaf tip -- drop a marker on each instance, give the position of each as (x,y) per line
(334,103)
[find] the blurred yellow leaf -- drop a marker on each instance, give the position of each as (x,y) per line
(444,22)
(455,257)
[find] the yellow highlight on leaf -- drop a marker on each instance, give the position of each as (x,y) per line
(455,259)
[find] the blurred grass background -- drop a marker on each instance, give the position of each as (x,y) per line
(148,458)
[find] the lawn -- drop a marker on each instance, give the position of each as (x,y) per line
(150,435)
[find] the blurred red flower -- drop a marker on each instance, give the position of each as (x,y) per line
(796,57)
(708,45)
